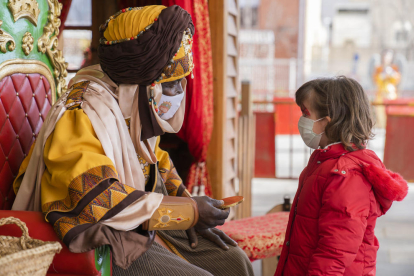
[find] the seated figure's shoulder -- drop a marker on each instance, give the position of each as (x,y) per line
(75,96)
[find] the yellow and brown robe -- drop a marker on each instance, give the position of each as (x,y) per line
(83,178)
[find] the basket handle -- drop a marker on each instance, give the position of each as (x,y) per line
(25,232)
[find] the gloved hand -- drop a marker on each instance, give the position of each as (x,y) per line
(212,234)
(209,217)
(209,214)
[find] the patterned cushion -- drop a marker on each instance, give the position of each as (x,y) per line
(25,100)
(260,237)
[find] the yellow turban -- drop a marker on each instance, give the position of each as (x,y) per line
(130,23)
(147,44)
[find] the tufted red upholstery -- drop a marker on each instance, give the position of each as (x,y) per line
(25,100)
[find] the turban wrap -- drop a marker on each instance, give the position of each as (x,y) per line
(143,59)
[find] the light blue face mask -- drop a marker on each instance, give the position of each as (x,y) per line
(310,138)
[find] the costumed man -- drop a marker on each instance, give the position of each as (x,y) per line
(97,173)
(386,77)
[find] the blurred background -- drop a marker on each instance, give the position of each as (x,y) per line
(284,43)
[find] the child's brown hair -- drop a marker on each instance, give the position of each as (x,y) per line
(345,102)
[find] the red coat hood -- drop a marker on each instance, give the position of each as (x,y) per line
(388,186)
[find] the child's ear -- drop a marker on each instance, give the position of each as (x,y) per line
(329,119)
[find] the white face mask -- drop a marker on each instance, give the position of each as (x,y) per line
(311,139)
(169,105)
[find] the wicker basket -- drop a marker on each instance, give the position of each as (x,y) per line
(24,255)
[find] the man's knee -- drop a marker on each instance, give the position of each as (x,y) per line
(237,255)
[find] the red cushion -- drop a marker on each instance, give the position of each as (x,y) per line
(260,237)
(65,262)
(25,101)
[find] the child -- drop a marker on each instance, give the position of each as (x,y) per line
(343,189)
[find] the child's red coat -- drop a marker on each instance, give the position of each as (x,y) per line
(331,225)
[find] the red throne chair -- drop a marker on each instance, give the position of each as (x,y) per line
(28,88)
(25,99)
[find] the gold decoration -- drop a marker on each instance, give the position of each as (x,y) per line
(165,218)
(28,66)
(24,9)
(48,43)
(27,43)
(4,39)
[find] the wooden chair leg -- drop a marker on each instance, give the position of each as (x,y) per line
(269,266)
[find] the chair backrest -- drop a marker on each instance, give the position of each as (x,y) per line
(32,73)
(25,100)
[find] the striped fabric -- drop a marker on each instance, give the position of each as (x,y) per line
(159,261)
(208,256)
(206,259)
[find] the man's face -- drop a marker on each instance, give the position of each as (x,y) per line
(172,88)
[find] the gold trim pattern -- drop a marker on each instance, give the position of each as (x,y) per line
(27,43)
(48,43)
(28,66)
(4,39)
(24,9)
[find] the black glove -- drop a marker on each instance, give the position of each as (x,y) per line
(209,214)
(209,217)
(212,234)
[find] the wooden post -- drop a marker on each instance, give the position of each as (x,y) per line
(222,153)
(216,155)
(247,99)
(246,150)
(101,11)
